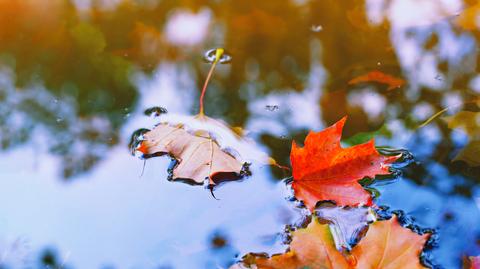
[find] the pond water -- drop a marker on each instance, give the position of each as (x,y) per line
(76,77)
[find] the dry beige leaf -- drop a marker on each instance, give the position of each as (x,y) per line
(198,155)
(208,149)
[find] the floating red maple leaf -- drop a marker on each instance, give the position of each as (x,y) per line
(323,170)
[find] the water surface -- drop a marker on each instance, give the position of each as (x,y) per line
(76,77)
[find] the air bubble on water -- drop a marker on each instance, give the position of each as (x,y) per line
(272,108)
(126,116)
(155,111)
(59,120)
(439,77)
(316,28)
(209,57)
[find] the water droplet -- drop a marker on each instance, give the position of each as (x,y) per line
(316,28)
(271,108)
(155,111)
(59,120)
(379,63)
(126,116)
(209,57)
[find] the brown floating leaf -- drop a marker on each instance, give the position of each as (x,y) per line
(199,156)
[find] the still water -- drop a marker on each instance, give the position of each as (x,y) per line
(76,77)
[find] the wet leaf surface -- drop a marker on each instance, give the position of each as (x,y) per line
(323,170)
(198,154)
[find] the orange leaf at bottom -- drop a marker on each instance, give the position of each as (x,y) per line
(386,245)
(389,245)
(311,247)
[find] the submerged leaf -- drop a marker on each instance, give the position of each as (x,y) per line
(469,122)
(470,153)
(386,245)
(379,77)
(323,170)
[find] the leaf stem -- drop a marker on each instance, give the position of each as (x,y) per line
(218,54)
(444,110)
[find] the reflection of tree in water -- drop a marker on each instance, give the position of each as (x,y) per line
(85,60)
(86,88)
(439,60)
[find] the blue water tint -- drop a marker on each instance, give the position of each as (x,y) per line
(114,217)
(455,218)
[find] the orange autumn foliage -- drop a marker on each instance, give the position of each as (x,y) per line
(468,18)
(386,245)
(323,170)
